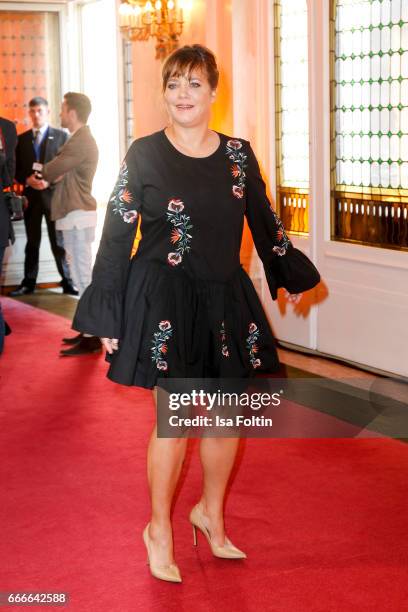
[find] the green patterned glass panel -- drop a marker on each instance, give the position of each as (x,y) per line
(293,93)
(371,99)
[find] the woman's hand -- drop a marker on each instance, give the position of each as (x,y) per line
(110,344)
(294,298)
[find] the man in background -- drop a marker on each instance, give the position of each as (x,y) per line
(36,147)
(8,141)
(73,207)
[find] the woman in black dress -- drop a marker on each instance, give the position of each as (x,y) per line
(168,294)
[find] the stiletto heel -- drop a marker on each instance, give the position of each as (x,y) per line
(228,551)
(171,573)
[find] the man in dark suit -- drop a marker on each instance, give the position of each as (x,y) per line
(8,141)
(35,148)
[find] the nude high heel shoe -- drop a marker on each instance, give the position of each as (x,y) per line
(228,551)
(171,573)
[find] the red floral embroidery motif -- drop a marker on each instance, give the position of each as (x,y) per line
(175,236)
(129,216)
(180,235)
(176,205)
(223,337)
(238,158)
(159,344)
(236,170)
(174,259)
(281,236)
(252,345)
(237,191)
(121,197)
(127,196)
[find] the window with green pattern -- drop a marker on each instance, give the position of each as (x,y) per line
(370,121)
(292,113)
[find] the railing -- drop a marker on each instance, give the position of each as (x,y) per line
(293,209)
(370,221)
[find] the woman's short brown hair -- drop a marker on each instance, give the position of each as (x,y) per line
(189,58)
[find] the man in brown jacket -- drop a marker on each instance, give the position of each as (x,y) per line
(73,207)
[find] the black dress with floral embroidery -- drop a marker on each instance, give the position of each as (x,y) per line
(177,297)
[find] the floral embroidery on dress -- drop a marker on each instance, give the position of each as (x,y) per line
(121,197)
(159,342)
(252,346)
(180,235)
(238,158)
(223,336)
(281,237)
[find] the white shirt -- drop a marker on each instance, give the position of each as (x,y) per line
(77,219)
(43,129)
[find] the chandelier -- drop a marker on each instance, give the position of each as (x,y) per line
(139,20)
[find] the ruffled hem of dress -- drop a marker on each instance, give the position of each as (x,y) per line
(176,326)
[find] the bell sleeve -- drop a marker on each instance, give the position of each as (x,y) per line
(284,265)
(99,310)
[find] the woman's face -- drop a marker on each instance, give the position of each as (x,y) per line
(188,98)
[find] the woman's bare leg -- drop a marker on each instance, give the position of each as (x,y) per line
(164,461)
(217,458)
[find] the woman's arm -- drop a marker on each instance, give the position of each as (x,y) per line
(285,266)
(99,310)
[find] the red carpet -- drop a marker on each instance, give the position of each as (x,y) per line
(324,522)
